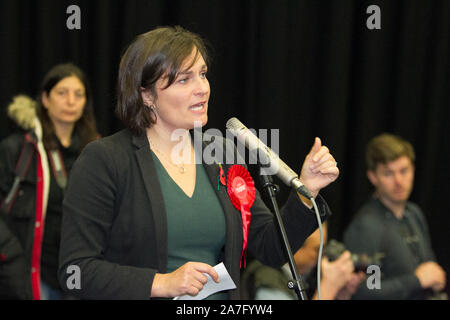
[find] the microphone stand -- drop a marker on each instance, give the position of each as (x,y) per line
(296,284)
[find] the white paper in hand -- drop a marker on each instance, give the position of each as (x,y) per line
(225,283)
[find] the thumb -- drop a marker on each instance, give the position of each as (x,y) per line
(345,256)
(325,262)
(316,147)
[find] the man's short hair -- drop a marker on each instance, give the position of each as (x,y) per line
(385,148)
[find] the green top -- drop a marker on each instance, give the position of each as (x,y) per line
(196,226)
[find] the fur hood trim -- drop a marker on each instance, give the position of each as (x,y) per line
(23,111)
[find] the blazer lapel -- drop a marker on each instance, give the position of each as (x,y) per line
(233,219)
(151,182)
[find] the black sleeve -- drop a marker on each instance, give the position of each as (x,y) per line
(265,241)
(88,217)
(12,259)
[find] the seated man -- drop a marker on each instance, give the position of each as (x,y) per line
(338,280)
(389,224)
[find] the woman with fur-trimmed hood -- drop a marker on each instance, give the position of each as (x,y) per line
(34,167)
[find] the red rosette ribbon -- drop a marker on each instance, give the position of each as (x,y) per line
(241,190)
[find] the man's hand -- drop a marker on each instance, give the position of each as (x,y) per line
(431,275)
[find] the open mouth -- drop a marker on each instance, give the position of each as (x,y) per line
(198,107)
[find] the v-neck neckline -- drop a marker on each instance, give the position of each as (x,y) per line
(174,182)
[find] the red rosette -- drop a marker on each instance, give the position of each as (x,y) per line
(241,190)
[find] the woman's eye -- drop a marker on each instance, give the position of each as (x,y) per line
(182,81)
(203,75)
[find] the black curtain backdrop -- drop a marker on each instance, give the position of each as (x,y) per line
(309,68)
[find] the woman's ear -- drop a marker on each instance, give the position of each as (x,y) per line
(147,97)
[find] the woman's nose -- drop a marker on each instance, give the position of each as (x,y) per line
(202,87)
(71,98)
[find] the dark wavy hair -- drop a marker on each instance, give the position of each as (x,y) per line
(85,127)
(152,55)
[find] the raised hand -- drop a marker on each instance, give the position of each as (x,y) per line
(319,168)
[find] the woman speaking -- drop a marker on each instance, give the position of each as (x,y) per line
(140,223)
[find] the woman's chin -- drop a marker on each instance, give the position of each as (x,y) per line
(199,122)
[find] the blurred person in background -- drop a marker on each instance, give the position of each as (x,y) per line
(390,224)
(34,167)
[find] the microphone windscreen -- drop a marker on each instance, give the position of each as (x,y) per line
(234,124)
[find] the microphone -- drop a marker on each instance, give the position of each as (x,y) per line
(286,174)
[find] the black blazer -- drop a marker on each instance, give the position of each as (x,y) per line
(115,229)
